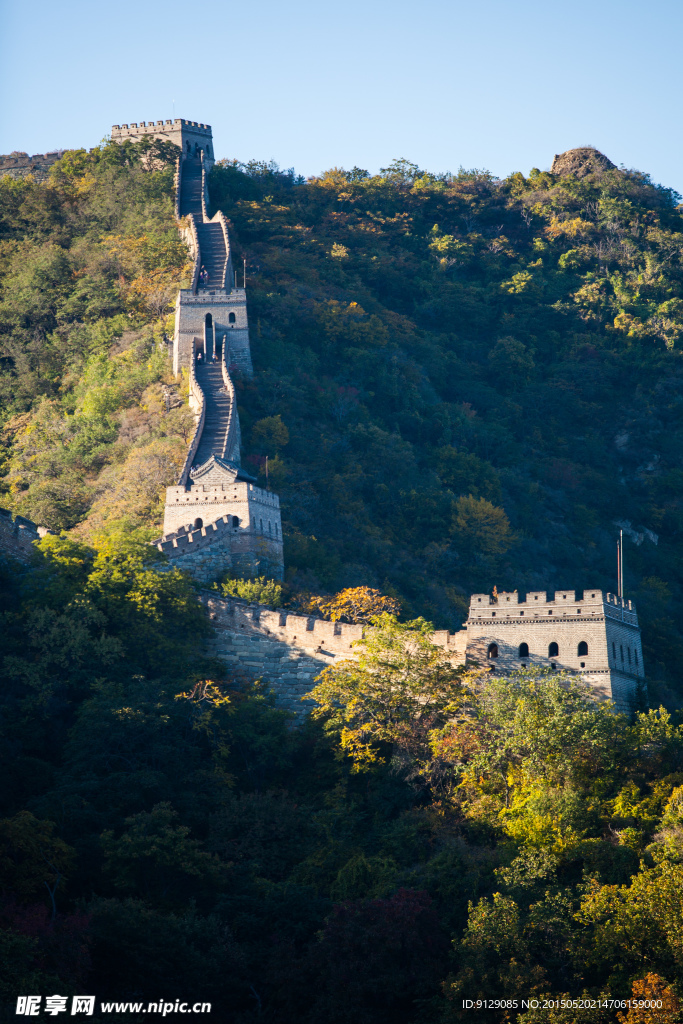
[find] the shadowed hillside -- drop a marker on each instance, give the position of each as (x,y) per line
(460,382)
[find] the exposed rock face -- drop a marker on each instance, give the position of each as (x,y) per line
(582,161)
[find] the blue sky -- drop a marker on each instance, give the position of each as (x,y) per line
(444,83)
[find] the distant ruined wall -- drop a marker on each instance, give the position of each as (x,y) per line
(21,165)
(17,536)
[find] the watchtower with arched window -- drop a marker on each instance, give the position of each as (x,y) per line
(591,634)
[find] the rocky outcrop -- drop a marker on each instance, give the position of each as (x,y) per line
(581,162)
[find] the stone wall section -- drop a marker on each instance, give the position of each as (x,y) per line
(288,651)
(224,545)
(20,165)
(228,311)
(18,535)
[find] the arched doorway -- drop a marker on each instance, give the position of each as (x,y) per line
(208,336)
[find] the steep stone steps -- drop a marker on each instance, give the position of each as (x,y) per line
(212,250)
(210,379)
(191,188)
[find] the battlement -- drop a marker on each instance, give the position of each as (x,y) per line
(563,601)
(188,537)
(193,137)
(308,630)
(152,126)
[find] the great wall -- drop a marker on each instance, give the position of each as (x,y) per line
(218,521)
(20,165)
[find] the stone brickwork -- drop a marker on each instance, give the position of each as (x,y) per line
(286,650)
(18,535)
(254,508)
(289,651)
(228,311)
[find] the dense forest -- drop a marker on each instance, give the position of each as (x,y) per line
(459,382)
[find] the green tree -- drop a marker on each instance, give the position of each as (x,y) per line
(481,527)
(400,688)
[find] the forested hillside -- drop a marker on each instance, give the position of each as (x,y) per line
(460,382)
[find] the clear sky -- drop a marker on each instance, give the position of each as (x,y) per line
(444,83)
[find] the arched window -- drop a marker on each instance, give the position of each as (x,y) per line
(523,651)
(235,521)
(553,650)
(583,649)
(198,524)
(493,651)
(208,149)
(231,318)
(208,320)
(614,650)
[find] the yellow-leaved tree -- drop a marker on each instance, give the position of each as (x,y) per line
(386,704)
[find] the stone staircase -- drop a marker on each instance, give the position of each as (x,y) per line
(210,235)
(210,379)
(212,249)
(191,188)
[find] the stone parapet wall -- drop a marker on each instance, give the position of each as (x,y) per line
(222,547)
(198,405)
(288,650)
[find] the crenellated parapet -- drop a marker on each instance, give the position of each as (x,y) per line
(289,650)
(198,405)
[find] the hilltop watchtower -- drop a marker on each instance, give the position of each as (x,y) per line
(192,137)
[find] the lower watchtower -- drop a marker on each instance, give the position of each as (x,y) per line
(595,635)
(248,541)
